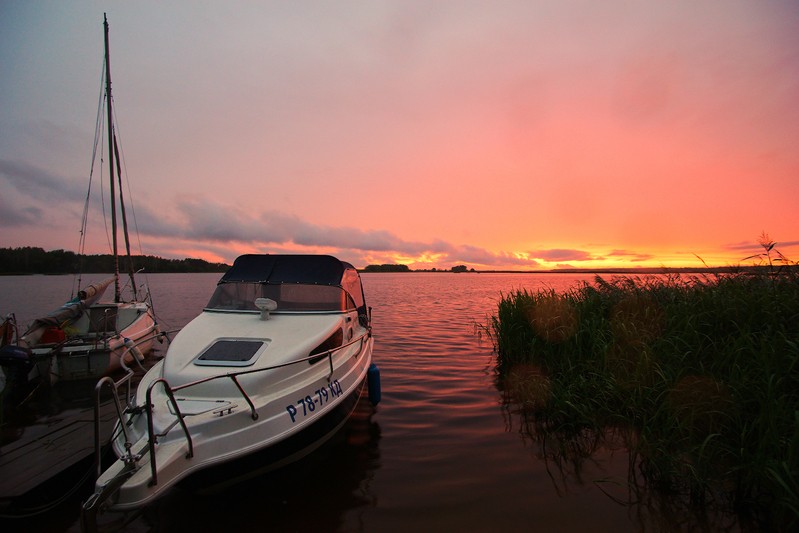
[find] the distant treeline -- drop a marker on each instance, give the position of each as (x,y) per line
(29,260)
(621,271)
(387,268)
(404,268)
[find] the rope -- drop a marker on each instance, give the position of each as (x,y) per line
(98,129)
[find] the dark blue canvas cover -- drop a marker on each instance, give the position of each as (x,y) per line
(267,268)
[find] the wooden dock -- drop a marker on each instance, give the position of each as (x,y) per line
(48,447)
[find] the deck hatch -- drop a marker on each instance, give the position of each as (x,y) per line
(232,352)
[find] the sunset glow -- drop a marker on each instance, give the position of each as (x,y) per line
(498,135)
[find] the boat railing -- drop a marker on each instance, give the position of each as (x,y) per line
(151,430)
(109,382)
(233,376)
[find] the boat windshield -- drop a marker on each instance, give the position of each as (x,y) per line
(240,296)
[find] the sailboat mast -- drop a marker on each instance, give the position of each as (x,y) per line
(124,220)
(117,296)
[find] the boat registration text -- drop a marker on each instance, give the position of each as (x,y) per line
(307,405)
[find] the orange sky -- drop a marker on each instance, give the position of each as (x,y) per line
(499,135)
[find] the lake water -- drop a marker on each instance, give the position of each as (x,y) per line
(440,452)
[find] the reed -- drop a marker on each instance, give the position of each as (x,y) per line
(701,374)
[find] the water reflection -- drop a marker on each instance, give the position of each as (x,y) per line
(576,455)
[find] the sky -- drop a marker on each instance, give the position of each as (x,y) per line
(518,135)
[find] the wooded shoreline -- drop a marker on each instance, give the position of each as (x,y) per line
(30,260)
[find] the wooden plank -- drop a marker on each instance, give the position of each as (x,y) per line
(47,449)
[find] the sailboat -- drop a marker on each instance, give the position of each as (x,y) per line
(88,336)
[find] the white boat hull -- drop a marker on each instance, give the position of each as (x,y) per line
(287,402)
(87,354)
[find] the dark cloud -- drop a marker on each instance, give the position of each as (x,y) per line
(203,221)
(15,216)
(38,183)
(631,256)
(480,256)
(755,246)
(198,223)
(557,255)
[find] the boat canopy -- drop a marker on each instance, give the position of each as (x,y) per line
(266,268)
(295,282)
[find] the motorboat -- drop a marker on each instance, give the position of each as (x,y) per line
(273,366)
(88,336)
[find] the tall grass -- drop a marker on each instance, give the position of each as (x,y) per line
(700,373)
